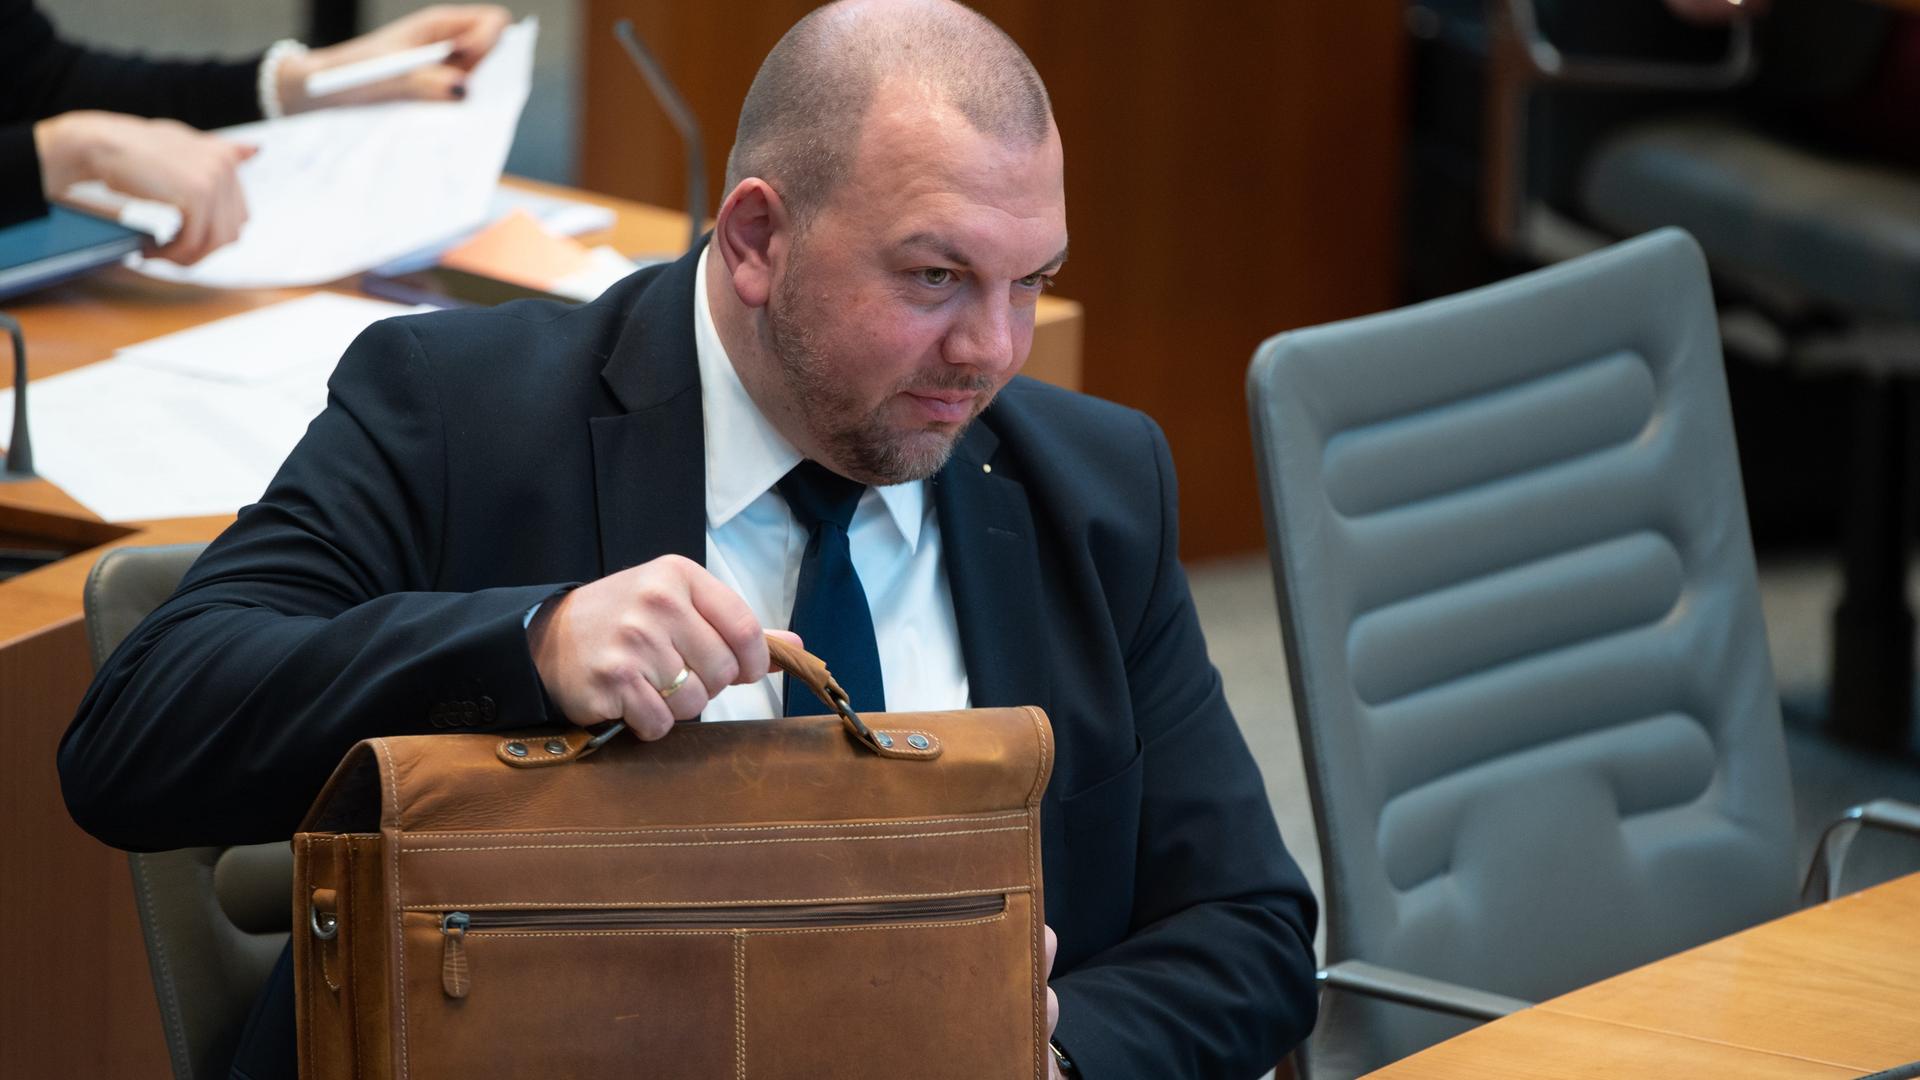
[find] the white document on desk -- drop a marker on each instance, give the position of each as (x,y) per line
(336,191)
(194,423)
(300,338)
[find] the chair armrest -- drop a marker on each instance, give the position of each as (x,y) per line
(1519,41)
(1406,988)
(1829,865)
(1519,58)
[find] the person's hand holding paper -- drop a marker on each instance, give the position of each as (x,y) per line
(335,191)
(162,160)
(197,173)
(468,30)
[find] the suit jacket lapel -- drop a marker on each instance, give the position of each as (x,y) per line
(650,462)
(993,568)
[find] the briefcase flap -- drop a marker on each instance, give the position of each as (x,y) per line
(796,770)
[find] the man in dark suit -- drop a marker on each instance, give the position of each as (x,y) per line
(864,303)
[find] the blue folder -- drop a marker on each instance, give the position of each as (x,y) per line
(63,243)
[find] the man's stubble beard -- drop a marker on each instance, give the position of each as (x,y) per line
(860,443)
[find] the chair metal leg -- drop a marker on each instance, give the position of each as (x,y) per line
(1870,700)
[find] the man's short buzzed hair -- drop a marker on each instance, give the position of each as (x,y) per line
(800,124)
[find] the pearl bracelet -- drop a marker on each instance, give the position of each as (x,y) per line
(269,84)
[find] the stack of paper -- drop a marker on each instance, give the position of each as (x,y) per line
(193,423)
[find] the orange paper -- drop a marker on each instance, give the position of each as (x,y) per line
(519,249)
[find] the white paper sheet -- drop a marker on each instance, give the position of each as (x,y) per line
(195,422)
(336,191)
(304,336)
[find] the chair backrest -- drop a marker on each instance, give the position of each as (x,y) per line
(215,919)
(1518,598)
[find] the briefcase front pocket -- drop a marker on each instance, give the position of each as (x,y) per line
(655,991)
(565,1003)
(952,1000)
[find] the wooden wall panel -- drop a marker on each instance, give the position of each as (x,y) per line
(1232,171)
(76,999)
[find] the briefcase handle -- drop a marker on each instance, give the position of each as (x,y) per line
(800,664)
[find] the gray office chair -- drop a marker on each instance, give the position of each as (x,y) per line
(1529,671)
(215,919)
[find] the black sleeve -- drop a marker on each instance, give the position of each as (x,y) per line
(1216,977)
(308,625)
(21,196)
(42,76)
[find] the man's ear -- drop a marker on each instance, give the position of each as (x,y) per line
(751,234)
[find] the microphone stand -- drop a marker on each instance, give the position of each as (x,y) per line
(682,117)
(19,453)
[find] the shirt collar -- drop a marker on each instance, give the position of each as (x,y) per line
(746,455)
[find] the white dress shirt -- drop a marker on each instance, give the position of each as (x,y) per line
(754,546)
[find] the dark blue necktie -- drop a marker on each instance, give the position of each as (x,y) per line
(830,610)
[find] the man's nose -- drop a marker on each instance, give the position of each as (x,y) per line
(986,339)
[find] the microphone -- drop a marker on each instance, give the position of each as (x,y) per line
(682,117)
(19,454)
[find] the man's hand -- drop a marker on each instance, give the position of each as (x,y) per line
(1053,1006)
(612,649)
(152,159)
(473,29)
(1716,12)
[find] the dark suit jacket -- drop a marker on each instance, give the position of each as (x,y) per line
(469,465)
(42,76)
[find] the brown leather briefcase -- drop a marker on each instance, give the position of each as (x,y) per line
(801,899)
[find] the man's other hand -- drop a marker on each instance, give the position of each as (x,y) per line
(614,649)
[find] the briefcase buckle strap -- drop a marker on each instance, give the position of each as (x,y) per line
(554,748)
(800,664)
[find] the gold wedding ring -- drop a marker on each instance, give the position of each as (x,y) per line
(673,687)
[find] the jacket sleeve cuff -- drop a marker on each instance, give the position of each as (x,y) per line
(1081,1035)
(500,688)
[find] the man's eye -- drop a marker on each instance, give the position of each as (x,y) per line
(1037,281)
(936,276)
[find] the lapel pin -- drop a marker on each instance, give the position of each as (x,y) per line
(986,468)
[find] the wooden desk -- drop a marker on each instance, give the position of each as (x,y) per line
(76,999)
(1830,991)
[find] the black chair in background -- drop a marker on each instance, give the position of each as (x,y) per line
(1577,122)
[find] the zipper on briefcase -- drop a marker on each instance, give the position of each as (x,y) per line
(456,979)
